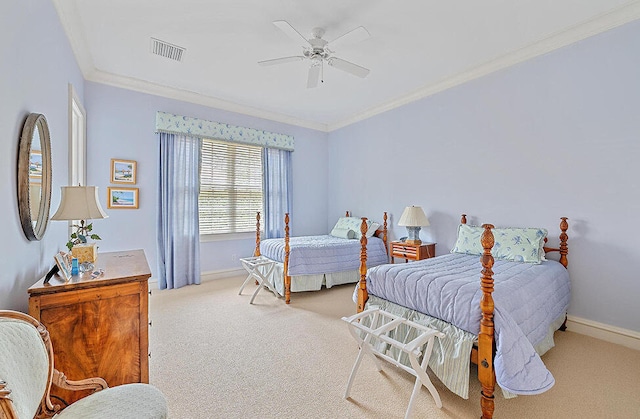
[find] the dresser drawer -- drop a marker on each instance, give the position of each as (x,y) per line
(412,251)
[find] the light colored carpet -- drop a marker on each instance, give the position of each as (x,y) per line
(216,356)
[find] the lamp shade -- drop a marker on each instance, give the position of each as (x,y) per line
(413,216)
(79,203)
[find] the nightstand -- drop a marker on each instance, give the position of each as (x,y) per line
(412,251)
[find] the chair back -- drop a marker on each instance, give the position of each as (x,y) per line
(25,364)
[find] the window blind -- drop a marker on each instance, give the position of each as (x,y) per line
(230,187)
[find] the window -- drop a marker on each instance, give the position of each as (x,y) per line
(230,187)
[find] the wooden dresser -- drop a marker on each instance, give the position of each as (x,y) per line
(98,327)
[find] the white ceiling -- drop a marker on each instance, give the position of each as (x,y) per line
(416,48)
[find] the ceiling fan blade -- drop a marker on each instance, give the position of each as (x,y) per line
(356,35)
(314,75)
(281,60)
(285,27)
(351,68)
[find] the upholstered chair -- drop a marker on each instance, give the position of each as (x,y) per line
(27,374)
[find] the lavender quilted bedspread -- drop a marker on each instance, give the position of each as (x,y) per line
(528,299)
(310,255)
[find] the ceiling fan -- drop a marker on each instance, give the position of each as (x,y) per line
(317,50)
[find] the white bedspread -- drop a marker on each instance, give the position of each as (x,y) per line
(528,299)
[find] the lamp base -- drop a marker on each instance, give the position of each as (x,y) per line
(85,252)
(413,234)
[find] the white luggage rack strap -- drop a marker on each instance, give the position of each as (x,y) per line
(259,269)
(382,325)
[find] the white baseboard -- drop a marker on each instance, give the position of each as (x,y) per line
(613,334)
(205,276)
(153,283)
(211,275)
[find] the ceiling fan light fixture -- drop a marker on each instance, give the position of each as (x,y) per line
(317,50)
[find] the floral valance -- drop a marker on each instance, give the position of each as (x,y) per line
(176,124)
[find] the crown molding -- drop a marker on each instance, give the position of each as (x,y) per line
(598,24)
(197,98)
(70,23)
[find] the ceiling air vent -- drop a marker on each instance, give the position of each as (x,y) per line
(167,50)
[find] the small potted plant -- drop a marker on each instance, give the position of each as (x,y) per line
(86,253)
(80,235)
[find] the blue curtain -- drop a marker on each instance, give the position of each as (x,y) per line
(178,225)
(277,190)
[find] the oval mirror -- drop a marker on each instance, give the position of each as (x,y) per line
(34,176)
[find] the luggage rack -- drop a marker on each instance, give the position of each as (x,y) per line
(382,324)
(259,268)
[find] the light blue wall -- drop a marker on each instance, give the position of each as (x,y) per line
(35,69)
(121,125)
(556,136)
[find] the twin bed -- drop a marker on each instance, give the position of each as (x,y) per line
(306,263)
(526,294)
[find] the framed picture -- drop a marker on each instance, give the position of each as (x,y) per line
(124,198)
(123,171)
(64,267)
(35,164)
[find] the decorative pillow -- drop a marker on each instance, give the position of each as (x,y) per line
(347,224)
(468,241)
(343,233)
(353,224)
(512,243)
(519,244)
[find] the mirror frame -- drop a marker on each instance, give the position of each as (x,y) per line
(34,121)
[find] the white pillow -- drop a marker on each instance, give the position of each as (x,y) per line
(354,224)
(344,225)
(373,227)
(343,233)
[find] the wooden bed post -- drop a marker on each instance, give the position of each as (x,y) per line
(384,232)
(463,219)
(287,278)
(486,373)
(363,296)
(257,251)
(347,214)
(564,249)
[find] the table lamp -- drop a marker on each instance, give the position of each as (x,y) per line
(81,203)
(413,218)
